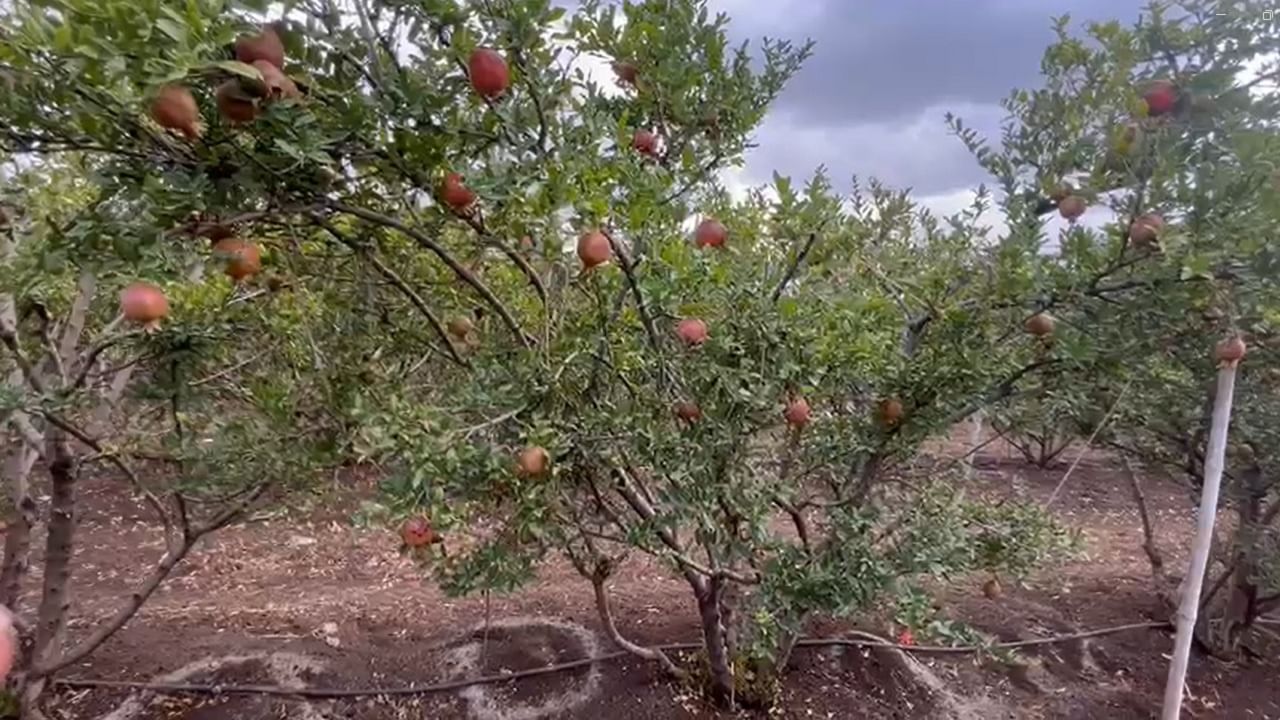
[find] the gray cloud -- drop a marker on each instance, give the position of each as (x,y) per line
(917,152)
(871,100)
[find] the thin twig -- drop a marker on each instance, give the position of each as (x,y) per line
(144,590)
(646,318)
(462,272)
(794,267)
(394,278)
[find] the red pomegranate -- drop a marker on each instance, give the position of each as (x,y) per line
(626,72)
(644,142)
(710,233)
(1230,350)
(265,46)
(488,72)
(797,412)
(692,331)
(8,643)
(890,412)
(594,249)
(1060,192)
(688,411)
(145,304)
(1072,207)
(1144,232)
(278,84)
(906,637)
(455,193)
(417,532)
(991,588)
(533,462)
(234,104)
(1040,324)
(174,108)
(242,259)
(460,327)
(1161,96)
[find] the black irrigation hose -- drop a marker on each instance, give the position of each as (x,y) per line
(331,693)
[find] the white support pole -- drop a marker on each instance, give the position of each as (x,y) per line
(1189,607)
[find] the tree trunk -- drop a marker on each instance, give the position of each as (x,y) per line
(16,469)
(22,516)
(975,438)
(720,676)
(1154,558)
(1242,607)
(51,619)
(69,344)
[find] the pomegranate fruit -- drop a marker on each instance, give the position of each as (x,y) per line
(1072,207)
(215,231)
(1060,192)
(145,304)
(890,412)
(688,411)
(417,532)
(174,108)
(278,84)
(710,233)
(1041,324)
(533,463)
(692,331)
(234,104)
(265,46)
(455,193)
(797,412)
(991,588)
(1161,96)
(460,327)
(626,72)
(1144,232)
(242,259)
(906,637)
(594,249)
(8,643)
(488,72)
(1230,350)
(644,142)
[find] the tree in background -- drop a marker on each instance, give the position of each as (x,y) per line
(1188,164)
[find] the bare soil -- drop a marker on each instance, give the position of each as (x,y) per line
(308,597)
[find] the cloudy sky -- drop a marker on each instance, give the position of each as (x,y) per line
(872,98)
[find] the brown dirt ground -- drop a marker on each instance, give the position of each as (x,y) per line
(273,584)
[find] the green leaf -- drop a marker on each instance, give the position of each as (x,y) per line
(174,30)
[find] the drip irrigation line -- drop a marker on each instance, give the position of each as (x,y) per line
(322,693)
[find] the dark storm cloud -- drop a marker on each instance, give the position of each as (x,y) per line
(877,61)
(871,100)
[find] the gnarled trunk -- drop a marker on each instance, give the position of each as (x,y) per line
(22,516)
(51,618)
(714,637)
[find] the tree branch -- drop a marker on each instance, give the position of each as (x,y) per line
(409,293)
(646,318)
(467,276)
(598,577)
(516,258)
(794,267)
(145,589)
